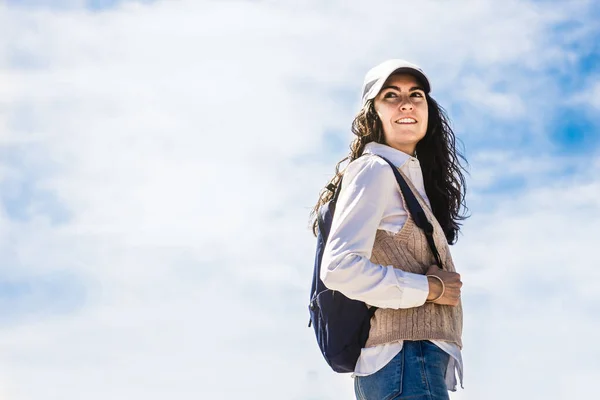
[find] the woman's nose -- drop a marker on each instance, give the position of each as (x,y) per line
(406,105)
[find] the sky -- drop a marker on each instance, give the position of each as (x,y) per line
(159,160)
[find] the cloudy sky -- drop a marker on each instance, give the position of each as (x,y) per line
(159,159)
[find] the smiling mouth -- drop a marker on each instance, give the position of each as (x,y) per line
(406,121)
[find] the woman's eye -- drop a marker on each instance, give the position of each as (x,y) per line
(390,95)
(417,94)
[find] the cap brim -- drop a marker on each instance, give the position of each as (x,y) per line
(373,88)
(416,73)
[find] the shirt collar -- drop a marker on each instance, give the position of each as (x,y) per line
(397,157)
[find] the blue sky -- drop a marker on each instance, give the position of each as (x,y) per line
(39,297)
(158,161)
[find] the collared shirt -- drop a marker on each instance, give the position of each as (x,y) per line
(370,200)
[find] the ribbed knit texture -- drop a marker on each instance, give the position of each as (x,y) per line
(409,251)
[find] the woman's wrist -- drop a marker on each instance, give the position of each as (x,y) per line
(436,288)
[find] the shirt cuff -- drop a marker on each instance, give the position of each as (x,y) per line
(414,288)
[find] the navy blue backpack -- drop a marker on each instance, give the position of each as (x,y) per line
(341,324)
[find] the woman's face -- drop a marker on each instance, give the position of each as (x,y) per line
(402,108)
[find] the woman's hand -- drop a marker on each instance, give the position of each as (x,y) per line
(452,284)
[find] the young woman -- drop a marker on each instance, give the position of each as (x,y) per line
(376,254)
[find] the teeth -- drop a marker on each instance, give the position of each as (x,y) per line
(406,121)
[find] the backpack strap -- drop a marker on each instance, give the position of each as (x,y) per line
(336,189)
(416,211)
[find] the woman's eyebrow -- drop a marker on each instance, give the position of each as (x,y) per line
(412,89)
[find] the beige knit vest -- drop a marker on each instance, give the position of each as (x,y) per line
(408,250)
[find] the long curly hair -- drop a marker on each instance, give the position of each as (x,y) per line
(440,162)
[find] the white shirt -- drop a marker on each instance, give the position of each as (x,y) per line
(370,200)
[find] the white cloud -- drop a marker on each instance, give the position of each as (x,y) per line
(477,94)
(591,96)
(185,139)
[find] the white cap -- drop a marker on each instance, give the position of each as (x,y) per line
(377,76)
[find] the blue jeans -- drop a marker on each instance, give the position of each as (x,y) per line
(416,373)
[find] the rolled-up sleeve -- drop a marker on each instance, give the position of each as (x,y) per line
(368,185)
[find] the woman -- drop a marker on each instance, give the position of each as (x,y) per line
(375,253)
